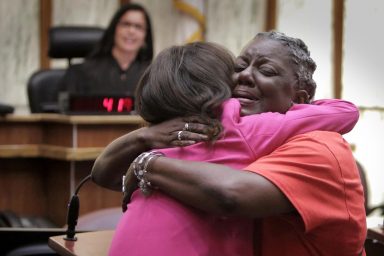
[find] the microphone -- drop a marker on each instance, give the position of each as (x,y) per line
(73,212)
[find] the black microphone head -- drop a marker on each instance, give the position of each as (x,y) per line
(73,212)
(72,216)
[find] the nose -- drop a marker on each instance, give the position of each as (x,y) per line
(245,77)
(131,28)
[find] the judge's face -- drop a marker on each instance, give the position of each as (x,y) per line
(264,77)
(130,32)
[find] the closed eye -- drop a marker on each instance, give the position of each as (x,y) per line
(267,71)
(240,64)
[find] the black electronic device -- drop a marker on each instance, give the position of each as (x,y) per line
(6,109)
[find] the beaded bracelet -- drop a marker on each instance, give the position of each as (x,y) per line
(140,165)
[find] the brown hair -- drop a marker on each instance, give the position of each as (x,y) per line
(193,79)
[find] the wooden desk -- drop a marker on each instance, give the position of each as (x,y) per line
(89,243)
(61,137)
(44,156)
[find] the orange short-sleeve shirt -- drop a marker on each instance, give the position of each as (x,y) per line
(318,174)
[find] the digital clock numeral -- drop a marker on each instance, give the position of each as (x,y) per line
(123,104)
(108,104)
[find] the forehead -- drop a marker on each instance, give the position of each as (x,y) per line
(261,47)
(133,15)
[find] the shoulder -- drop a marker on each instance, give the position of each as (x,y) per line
(314,168)
(323,150)
(305,152)
(330,144)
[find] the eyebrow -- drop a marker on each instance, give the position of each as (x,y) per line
(247,57)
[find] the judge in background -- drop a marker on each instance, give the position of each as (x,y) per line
(119,59)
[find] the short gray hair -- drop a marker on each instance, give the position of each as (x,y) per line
(300,54)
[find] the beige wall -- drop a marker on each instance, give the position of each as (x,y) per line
(363,84)
(311,21)
(239,21)
(19,49)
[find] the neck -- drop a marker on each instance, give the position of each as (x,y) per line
(124,59)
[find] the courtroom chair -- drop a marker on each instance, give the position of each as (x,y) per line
(369,210)
(64,43)
(43,91)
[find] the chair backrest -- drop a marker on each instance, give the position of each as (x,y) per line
(43,90)
(73,42)
(64,43)
(364,182)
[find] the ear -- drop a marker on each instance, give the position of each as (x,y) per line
(301,97)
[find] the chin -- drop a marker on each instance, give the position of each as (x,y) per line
(131,49)
(128,48)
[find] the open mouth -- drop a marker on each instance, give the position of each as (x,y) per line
(244,96)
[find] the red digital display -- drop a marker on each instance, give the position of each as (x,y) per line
(119,105)
(100,104)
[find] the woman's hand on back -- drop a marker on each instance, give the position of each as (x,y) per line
(119,154)
(178,132)
(175,132)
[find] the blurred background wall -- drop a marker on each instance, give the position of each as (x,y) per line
(232,24)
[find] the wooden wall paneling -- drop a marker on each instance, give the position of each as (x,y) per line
(338,25)
(122,2)
(22,187)
(45,23)
(58,134)
(20,133)
(93,197)
(57,182)
(101,135)
(271,15)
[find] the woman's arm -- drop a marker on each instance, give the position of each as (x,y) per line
(267,131)
(112,163)
(115,159)
(213,188)
(333,115)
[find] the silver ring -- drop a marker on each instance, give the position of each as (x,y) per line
(186,126)
(179,135)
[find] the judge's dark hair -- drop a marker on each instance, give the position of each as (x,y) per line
(193,79)
(300,56)
(104,47)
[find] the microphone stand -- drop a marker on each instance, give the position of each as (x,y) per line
(73,212)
